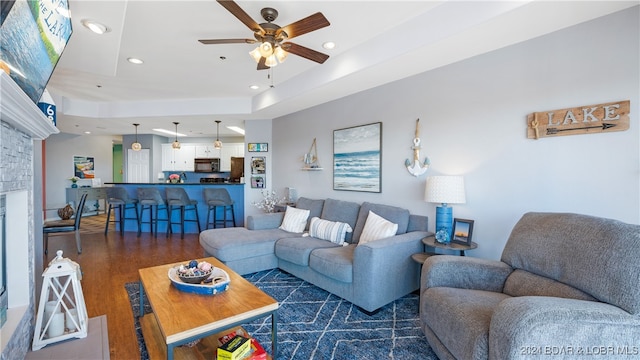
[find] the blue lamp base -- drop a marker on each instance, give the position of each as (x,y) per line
(444,223)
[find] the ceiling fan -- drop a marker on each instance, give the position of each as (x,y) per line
(273,45)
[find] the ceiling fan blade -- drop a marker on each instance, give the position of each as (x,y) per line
(305,52)
(237,11)
(227,41)
(262,64)
(303,26)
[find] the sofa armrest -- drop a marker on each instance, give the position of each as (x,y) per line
(464,273)
(386,264)
(265,221)
(530,326)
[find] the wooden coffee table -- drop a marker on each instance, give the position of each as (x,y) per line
(179,317)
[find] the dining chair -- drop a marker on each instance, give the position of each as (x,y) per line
(62,226)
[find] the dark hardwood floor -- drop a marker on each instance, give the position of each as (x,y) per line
(108,262)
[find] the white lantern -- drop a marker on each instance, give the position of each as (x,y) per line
(62,313)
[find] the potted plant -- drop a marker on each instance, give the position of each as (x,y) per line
(74,180)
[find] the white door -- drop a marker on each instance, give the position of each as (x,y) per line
(137,166)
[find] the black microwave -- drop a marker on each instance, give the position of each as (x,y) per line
(206,165)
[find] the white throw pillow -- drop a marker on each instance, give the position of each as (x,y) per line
(295,220)
(333,231)
(376,227)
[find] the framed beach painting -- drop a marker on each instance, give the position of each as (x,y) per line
(357,158)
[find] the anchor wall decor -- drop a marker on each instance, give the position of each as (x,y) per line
(415,167)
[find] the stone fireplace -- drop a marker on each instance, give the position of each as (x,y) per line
(22,126)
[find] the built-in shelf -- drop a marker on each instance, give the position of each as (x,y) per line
(312,169)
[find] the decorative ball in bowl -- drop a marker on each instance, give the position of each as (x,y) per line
(194,272)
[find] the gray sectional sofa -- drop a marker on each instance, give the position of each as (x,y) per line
(369,275)
(567,286)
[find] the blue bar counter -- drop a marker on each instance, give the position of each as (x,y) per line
(195,192)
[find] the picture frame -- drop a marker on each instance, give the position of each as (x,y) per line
(84,167)
(357,158)
(462,231)
(258,147)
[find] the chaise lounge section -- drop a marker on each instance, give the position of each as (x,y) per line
(369,274)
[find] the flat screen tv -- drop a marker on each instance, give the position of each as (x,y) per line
(34,35)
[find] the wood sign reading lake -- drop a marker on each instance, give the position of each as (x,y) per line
(590,119)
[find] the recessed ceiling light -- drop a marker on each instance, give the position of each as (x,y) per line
(95,26)
(254,87)
(236,129)
(329,45)
(135,61)
(87,132)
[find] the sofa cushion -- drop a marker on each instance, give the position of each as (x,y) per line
(333,231)
(335,262)
(314,206)
(229,244)
(295,220)
(460,318)
(343,211)
(394,214)
(296,250)
(376,227)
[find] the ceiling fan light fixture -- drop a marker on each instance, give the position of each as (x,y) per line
(136,146)
(217,144)
(266,49)
(271,61)
(176,143)
(280,54)
(255,54)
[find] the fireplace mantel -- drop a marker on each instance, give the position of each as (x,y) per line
(22,123)
(17,109)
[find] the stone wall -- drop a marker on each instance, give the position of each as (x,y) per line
(16,174)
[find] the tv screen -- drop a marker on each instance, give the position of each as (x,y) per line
(34,35)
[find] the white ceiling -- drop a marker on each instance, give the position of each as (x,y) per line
(96,89)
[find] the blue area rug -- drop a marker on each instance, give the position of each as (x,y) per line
(314,324)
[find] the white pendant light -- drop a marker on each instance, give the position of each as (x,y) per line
(218,144)
(176,143)
(136,146)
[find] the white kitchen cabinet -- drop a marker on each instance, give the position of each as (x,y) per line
(230,150)
(178,159)
(206,151)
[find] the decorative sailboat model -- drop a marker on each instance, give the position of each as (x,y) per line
(310,159)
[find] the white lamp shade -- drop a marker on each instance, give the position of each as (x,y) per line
(445,190)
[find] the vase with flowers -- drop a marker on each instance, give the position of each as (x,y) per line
(174,178)
(74,181)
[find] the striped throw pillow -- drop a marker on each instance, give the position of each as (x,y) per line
(295,220)
(333,231)
(376,227)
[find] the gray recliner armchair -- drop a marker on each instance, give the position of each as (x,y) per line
(567,285)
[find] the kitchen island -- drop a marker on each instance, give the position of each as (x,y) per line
(195,192)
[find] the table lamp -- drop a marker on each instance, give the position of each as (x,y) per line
(445,190)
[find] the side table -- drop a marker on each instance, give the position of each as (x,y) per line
(430,242)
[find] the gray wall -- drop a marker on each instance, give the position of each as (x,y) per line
(60,149)
(473,116)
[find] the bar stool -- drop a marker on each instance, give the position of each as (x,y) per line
(119,200)
(177,199)
(151,199)
(219,198)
